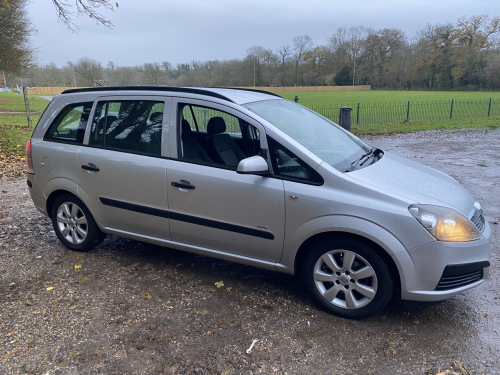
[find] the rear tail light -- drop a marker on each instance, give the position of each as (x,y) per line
(29,160)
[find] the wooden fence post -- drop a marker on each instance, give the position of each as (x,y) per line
(27,106)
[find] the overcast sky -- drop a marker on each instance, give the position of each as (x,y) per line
(183,31)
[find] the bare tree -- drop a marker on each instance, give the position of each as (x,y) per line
(166,66)
(349,42)
(124,76)
(153,73)
(301,44)
(88,72)
(91,8)
(284,52)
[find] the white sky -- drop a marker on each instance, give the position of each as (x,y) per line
(183,31)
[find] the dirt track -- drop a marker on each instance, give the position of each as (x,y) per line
(134,308)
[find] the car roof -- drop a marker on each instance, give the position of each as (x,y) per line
(235,95)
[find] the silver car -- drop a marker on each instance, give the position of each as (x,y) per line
(250,177)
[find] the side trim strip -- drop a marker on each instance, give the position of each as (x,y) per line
(187,218)
(135,207)
(220,225)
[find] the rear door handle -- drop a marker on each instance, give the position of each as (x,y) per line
(183,186)
(90,167)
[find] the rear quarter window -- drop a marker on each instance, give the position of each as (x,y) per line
(69,125)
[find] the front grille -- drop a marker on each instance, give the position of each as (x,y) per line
(478,219)
(453,282)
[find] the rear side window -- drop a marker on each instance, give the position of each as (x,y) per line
(69,125)
(128,125)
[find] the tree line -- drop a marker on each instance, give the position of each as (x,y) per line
(460,56)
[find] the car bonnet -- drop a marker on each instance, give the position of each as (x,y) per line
(416,182)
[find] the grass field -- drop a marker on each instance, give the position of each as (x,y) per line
(15,102)
(489,122)
(14,132)
(13,122)
(350,98)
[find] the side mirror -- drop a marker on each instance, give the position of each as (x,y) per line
(253,165)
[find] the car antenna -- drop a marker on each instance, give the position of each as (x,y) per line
(97,83)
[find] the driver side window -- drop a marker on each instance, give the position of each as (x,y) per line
(208,135)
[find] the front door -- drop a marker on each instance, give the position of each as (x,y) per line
(210,204)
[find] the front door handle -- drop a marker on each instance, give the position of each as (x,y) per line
(90,167)
(183,185)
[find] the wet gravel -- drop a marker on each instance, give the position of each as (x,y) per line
(134,308)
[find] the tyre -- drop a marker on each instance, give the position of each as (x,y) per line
(74,225)
(347,278)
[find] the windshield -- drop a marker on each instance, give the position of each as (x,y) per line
(322,137)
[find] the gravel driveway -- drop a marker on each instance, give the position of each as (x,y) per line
(134,308)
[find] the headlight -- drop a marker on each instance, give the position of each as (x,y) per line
(445,224)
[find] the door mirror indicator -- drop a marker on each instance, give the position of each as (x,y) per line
(253,165)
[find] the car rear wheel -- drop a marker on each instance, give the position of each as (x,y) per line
(74,225)
(347,278)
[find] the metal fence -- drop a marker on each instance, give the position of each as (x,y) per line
(393,113)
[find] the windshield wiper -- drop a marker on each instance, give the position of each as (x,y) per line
(362,160)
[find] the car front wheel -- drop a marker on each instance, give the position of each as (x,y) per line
(74,225)
(347,278)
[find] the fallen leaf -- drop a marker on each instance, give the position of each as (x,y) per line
(11,285)
(203,312)
(170,307)
(50,288)
(219,284)
(28,303)
(38,257)
(78,266)
(147,296)
(229,288)
(73,353)
(211,290)
(83,281)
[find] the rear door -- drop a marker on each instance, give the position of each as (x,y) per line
(122,165)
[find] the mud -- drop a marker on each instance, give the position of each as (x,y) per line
(133,308)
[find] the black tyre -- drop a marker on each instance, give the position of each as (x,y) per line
(346,278)
(74,225)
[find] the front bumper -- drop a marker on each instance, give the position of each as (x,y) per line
(440,270)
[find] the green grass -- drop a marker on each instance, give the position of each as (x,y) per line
(13,102)
(14,140)
(488,122)
(351,98)
(18,119)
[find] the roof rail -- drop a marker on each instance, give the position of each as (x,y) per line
(245,89)
(150,88)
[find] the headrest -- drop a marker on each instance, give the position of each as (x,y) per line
(186,130)
(109,120)
(156,118)
(216,125)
